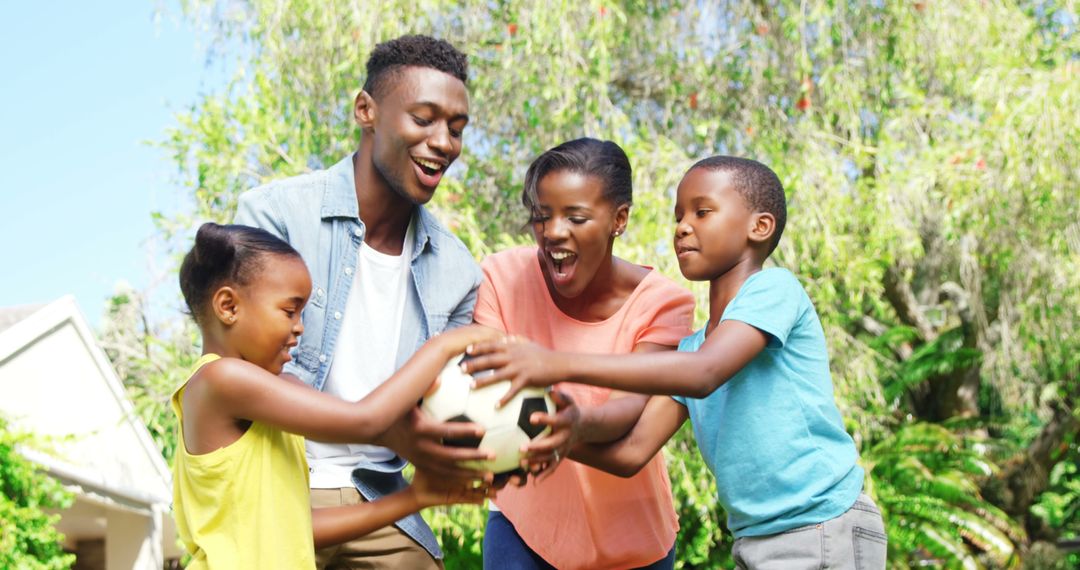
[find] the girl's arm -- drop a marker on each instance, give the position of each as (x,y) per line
(241,390)
(728,348)
(336,525)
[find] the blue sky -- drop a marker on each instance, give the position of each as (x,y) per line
(84,86)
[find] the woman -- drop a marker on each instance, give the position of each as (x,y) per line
(571,293)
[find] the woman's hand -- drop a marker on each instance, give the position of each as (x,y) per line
(513,358)
(545,453)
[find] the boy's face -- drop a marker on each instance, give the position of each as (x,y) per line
(712,225)
(417,130)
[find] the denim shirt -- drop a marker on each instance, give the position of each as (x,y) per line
(317,213)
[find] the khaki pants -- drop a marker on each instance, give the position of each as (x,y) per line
(387,547)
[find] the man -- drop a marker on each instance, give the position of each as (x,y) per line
(387,276)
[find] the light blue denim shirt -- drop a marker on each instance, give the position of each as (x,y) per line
(317,214)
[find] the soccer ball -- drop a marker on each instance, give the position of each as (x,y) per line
(506,429)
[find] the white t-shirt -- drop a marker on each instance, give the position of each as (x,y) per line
(365,354)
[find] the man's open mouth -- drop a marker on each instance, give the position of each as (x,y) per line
(428,167)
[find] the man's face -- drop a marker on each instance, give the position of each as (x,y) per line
(417,131)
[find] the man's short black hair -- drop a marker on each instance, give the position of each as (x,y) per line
(757,184)
(389,58)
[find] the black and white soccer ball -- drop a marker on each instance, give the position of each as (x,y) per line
(506,429)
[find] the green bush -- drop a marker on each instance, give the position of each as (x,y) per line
(28,538)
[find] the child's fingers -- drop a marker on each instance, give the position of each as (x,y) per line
(487,346)
(484,363)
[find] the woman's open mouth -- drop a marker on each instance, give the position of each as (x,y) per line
(563,264)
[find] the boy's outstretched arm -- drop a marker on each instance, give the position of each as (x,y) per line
(625,457)
(728,348)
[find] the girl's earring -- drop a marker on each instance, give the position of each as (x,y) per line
(232,318)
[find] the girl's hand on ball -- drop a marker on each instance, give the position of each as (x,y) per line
(512,358)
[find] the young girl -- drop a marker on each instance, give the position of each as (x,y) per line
(569,292)
(240,488)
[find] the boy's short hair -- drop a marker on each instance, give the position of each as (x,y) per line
(757,184)
(389,58)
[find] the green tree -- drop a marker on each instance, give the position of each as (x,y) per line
(152,359)
(28,537)
(929,151)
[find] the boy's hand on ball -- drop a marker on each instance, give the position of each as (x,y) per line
(512,358)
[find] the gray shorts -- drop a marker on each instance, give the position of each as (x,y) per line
(854,540)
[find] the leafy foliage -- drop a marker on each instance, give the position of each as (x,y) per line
(28,538)
(926,480)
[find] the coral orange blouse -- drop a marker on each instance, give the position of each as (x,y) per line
(580,517)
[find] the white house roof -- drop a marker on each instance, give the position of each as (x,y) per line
(12,315)
(56,382)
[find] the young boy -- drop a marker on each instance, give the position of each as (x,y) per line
(754,382)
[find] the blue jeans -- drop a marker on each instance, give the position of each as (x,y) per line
(504,549)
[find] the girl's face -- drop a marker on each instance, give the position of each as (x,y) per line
(267,312)
(574,226)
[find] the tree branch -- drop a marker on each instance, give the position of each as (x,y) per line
(902,298)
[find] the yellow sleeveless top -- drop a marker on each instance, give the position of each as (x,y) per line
(245,505)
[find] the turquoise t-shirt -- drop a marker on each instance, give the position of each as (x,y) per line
(772,434)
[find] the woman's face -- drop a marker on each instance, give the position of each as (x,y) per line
(574,225)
